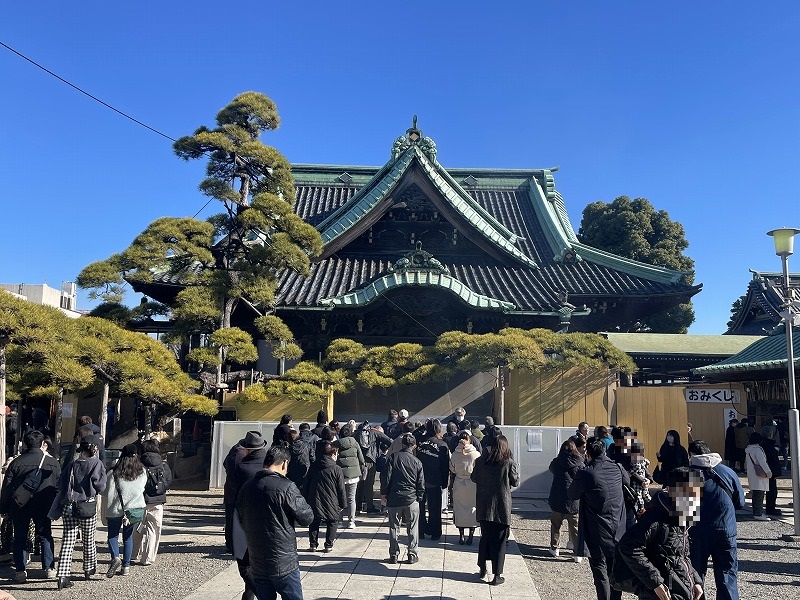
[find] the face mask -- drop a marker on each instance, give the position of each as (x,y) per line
(688,510)
(459,418)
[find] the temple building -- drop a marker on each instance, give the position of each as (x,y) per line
(759,310)
(412,249)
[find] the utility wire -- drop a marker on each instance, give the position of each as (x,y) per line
(82,91)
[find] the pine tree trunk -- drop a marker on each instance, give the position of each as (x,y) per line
(2,404)
(104,411)
(59,420)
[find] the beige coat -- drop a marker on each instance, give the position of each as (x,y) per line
(755,453)
(462,461)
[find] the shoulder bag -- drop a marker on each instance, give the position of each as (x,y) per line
(131,516)
(29,485)
(80,509)
(758,468)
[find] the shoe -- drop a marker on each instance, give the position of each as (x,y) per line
(328,549)
(312,548)
(21,576)
(553,552)
(482,574)
(125,570)
(393,559)
(461,539)
(64,582)
(569,545)
(373,511)
(351,525)
(413,559)
(144,564)
(49,573)
(436,537)
(775,512)
(471,535)
(761,518)
(115,564)
(498,580)
(577,559)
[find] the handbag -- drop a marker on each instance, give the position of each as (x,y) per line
(131,516)
(29,486)
(758,468)
(658,477)
(80,509)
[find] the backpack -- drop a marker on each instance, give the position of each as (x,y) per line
(156,482)
(365,439)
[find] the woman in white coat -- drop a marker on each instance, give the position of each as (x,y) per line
(758,475)
(462,461)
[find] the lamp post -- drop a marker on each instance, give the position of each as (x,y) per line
(784,247)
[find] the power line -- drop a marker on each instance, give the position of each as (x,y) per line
(82,91)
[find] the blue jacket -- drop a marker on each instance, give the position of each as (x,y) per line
(722,496)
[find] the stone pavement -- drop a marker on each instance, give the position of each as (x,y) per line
(358,568)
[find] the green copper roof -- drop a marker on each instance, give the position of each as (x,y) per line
(380,286)
(385,180)
(555,223)
(674,343)
(766,354)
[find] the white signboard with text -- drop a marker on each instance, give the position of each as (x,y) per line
(712,395)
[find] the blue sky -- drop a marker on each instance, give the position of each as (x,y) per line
(695,106)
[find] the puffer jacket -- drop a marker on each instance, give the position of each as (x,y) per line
(269,505)
(563,467)
(656,551)
(351,459)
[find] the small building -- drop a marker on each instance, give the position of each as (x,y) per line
(759,310)
(64,299)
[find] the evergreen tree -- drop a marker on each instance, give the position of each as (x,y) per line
(635,229)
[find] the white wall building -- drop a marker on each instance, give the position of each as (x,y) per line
(41,293)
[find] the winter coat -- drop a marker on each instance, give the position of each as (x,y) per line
(153,460)
(351,459)
(730,443)
(269,505)
(390,428)
(281,434)
(403,481)
(310,438)
(722,496)
(301,453)
(755,454)
(247,467)
(317,431)
(230,489)
(493,489)
(742,435)
(324,489)
(602,507)
(476,443)
(81,480)
(377,442)
(670,458)
(462,463)
(563,467)
(656,551)
(132,494)
(15,476)
(434,455)
(771,452)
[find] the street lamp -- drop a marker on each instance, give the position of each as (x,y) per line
(784,247)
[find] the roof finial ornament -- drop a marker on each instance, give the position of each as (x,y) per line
(413,134)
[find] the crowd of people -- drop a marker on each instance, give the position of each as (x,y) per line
(648,532)
(324,476)
(129,498)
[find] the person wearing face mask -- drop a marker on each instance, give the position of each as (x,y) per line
(458,417)
(714,536)
(671,456)
(652,558)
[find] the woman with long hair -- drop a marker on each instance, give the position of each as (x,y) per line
(494,475)
(462,463)
(124,507)
(563,467)
(671,456)
(80,483)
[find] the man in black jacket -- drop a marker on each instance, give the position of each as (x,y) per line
(434,455)
(35,505)
(269,506)
(602,515)
(402,488)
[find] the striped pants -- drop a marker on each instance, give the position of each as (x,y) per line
(71,527)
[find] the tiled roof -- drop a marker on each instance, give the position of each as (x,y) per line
(761,308)
(766,354)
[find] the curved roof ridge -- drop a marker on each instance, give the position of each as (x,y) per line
(373,290)
(552,216)
(628,265)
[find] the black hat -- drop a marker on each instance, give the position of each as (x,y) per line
(253,441)
(130,450)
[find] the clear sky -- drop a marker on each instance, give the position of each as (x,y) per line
(695,106)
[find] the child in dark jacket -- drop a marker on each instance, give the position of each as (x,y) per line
(324,491)
(652,558)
